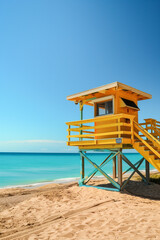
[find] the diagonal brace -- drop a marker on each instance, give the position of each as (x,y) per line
(90,175)
(132,166)
(101,171)
(108,159)
(124,184)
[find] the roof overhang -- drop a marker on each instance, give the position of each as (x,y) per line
(102,91)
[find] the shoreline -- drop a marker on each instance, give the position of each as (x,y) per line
(40,184)
(62,181)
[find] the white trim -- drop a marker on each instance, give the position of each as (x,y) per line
(102,99)
(108,86)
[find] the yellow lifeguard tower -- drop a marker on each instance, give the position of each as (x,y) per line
(114,127)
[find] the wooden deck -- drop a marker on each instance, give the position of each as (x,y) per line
(116,132)
(105,132)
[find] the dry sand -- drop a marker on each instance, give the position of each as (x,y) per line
(66,211)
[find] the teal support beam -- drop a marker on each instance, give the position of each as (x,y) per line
(114,167)
(120,169)
(81,113)
(82,171)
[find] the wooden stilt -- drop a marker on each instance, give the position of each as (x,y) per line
(82,169)
(120,169)
(114,167)
(147,170)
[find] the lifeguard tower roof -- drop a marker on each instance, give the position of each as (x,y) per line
(104,90)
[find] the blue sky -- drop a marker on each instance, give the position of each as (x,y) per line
(53,48)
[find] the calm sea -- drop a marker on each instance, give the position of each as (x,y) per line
(34,168)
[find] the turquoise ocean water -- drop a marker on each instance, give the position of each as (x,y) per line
(33,168)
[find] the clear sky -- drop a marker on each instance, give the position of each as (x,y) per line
(53,48)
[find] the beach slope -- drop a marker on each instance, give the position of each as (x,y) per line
(66,211)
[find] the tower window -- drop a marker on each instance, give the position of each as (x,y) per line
(105,108)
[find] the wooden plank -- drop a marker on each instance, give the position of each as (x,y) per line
(99,134)
(86,143)
(83,131)
(69,133)
(82,142)
(146,133)
(148,145)
(99,127)
(98,142)
(102,118)
(119,128)
(132,131)
(142,124)
(107,146)
(93,142)
(126,141)
(155,142)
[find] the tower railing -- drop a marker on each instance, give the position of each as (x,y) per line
(108,129)
(152,126)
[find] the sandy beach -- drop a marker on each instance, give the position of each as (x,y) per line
(66,211)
